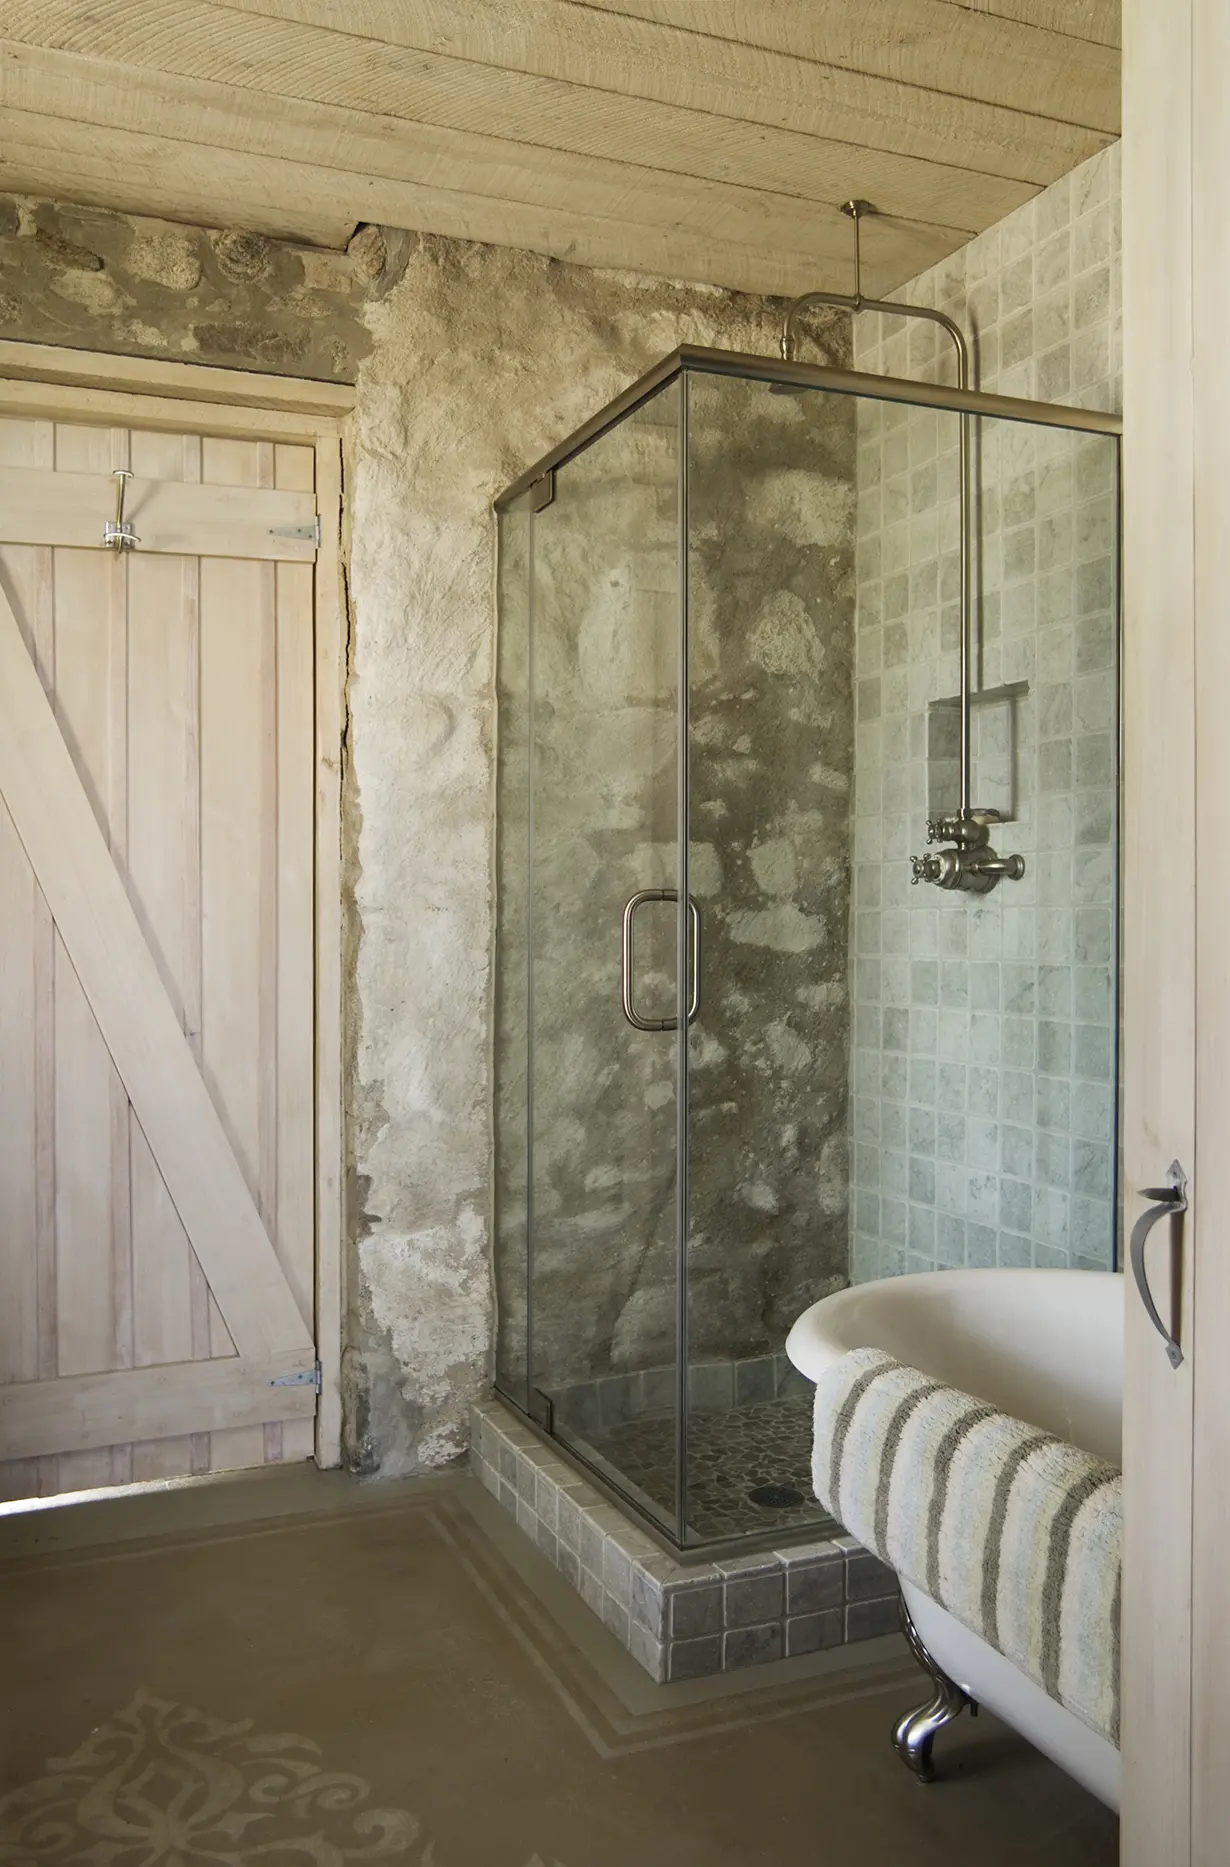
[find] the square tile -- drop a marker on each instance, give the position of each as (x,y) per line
(616,1617)
(590,1545)
(648,1603)
(695,1612)
(753,1599)
(814,1587)
(867,1576)
(813,1633)
(617,1572)
(546,1495)
(752,1646)
(869,1620)
(568,1523)
(694,1659)
(648,1652)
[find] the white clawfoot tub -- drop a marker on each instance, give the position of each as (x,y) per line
(1045,1346)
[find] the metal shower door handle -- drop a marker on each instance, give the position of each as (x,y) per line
(630,1011)
(1171,1200)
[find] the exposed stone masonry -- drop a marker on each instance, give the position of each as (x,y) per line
(90,279)
(483,359)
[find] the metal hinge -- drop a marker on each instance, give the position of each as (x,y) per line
(311,531)
(542,492)
(303,1377)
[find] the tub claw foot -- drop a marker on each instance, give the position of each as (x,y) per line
(914,1734)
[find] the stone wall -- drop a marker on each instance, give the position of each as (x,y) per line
(94,280)
(483,358)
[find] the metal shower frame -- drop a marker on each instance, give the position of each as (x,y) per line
(538,483)
(699,359)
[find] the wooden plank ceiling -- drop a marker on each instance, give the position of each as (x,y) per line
(701,139)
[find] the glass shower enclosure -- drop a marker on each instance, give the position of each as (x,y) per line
(742,1056)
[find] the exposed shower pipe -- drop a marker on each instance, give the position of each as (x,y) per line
(972,865)
(855,301)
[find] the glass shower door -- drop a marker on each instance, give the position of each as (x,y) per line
(604,926)
(770,547)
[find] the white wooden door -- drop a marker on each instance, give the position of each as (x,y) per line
(157,1043)
(1176,1607)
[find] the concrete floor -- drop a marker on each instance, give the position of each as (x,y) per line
(299,1665)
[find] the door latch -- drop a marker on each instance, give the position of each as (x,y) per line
(1171,1203)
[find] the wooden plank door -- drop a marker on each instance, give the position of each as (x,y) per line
(1176,1651)
(1210,1537)
(157,1028)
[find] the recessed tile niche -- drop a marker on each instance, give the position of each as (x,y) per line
(994,737)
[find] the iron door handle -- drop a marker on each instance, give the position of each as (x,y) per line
(1171,1200)
(626,980)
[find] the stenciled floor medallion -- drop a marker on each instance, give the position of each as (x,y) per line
(164,1785)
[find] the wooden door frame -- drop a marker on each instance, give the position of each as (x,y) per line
(44,382)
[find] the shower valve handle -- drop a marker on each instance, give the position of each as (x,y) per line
(975,870)
(972,831)
(929,868)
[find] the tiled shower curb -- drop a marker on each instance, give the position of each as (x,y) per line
(679,1621)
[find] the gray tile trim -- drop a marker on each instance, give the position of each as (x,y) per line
(679,1621)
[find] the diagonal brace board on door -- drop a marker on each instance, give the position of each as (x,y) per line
(88,902)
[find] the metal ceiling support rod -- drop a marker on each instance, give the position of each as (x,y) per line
(855,301)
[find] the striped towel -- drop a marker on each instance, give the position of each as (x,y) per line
(1016,1533)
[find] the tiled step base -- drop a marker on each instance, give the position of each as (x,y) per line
(679,1621)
